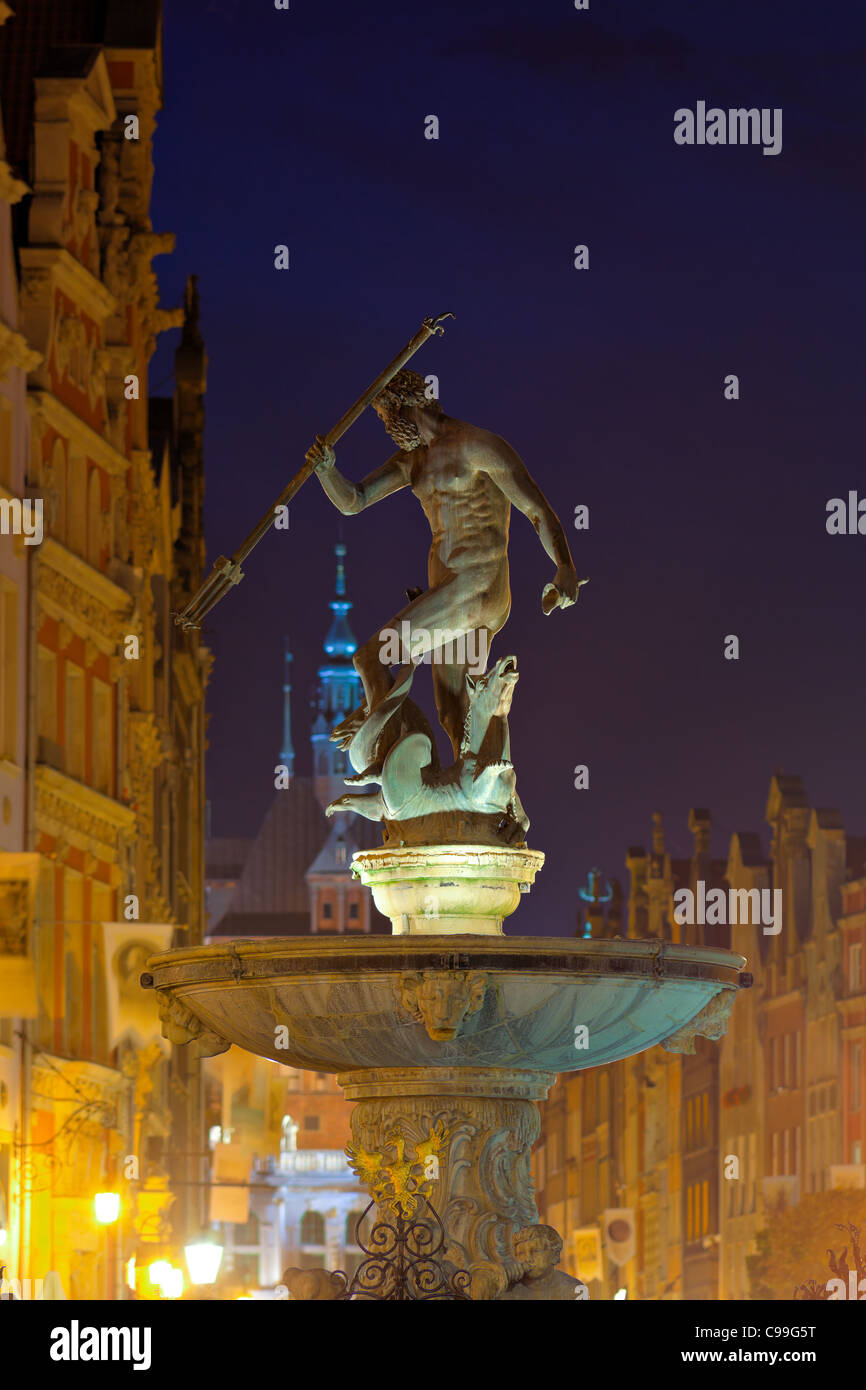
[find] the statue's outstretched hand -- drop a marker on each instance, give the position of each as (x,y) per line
(321,455)
(563,592)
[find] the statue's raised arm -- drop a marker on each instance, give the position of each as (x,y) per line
(351,498)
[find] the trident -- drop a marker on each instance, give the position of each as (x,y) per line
(226,573)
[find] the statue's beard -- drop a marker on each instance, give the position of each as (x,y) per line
(405,433)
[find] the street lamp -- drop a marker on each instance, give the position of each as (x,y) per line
(172,1283)
(106,1205)
(203,1258)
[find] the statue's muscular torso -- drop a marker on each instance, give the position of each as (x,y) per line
(467,480)
(467,512)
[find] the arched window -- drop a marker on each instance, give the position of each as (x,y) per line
(312,1228)
(76,503)
(94,519)
(55,489)
(352,1221)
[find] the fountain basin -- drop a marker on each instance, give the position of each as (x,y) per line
(525,1004)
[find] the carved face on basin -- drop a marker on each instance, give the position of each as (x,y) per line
(443,999)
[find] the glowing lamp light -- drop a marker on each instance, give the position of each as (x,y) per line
(172,1284)
(203,1259)
(158,1271)
(4,1235)
(621,1293)
(107,1207)
(130,1273)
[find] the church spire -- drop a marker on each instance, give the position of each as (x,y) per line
(339,692)
(287,752)
(340,640)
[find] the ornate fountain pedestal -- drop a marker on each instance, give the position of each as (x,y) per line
(460,1137)
(445,1043)
(438,890)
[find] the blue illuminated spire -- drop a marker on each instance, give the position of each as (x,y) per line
(340,641)
(339,692)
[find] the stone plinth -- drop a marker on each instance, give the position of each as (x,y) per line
(447,890)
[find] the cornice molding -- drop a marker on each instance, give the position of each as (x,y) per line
(66,422)
(72,278)
(55,556)
(82,816)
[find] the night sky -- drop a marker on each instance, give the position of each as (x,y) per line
(707,516)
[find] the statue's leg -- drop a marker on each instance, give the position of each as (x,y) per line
(413,631)
(452,701)
(456,613)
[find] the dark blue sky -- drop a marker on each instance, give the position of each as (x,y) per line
(306,127)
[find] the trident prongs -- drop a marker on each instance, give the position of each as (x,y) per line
(433,325)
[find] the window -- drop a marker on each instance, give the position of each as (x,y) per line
(102,736)
(312,1122)
(102,902)
(73,911)
(327,911)
(56,492)
(855,958)
(46,693)
(8,669)
(352,1221)
(74,720)
(312,1228)
(94,519)
(77,503)
(247,1233)
(353,912)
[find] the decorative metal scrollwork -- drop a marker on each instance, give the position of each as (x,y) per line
(402,1261)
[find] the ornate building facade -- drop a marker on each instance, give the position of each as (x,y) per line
(662,1169)
(109,694)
